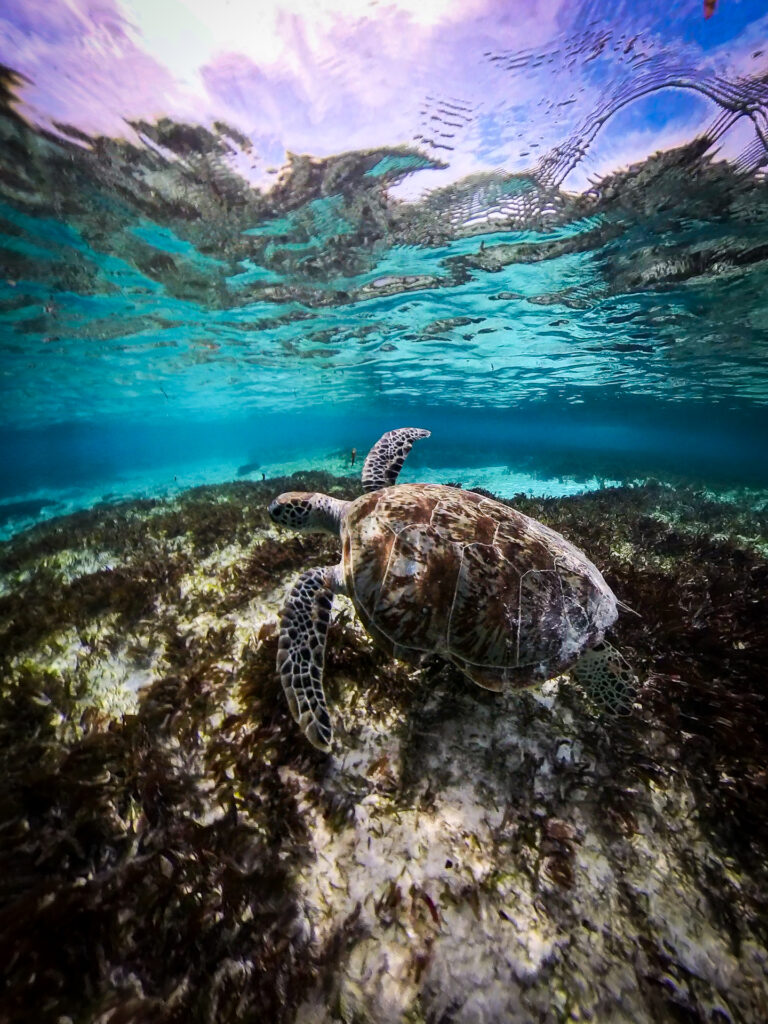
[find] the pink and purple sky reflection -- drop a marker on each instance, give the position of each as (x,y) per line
(328,76)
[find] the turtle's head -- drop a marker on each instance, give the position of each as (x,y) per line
(302,510)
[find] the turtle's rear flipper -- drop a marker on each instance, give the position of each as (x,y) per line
(607,679)
(301,651)
(385,460)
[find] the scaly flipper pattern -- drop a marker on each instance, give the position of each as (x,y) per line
(301,651)
(386,458)
(607,679)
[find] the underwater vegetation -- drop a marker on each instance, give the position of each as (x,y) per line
(173,849)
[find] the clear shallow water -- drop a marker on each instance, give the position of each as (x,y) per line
(169,299)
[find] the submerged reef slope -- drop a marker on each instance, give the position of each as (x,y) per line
(173,849)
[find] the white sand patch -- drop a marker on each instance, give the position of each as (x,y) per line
(457,902)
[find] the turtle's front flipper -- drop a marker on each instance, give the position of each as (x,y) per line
(301,650)
(386,458)
(607,679)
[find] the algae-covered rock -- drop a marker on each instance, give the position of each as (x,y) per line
(174,850)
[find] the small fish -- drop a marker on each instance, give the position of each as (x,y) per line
(709,8)
(352,456)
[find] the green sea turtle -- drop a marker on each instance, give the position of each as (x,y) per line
(436,570)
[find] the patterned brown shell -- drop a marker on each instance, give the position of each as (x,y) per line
(437,570)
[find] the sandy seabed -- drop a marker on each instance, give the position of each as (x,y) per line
(174,850)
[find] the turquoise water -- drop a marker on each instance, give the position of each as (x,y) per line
(611,346)
(165,318)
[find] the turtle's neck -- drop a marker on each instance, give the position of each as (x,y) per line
(328,513)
